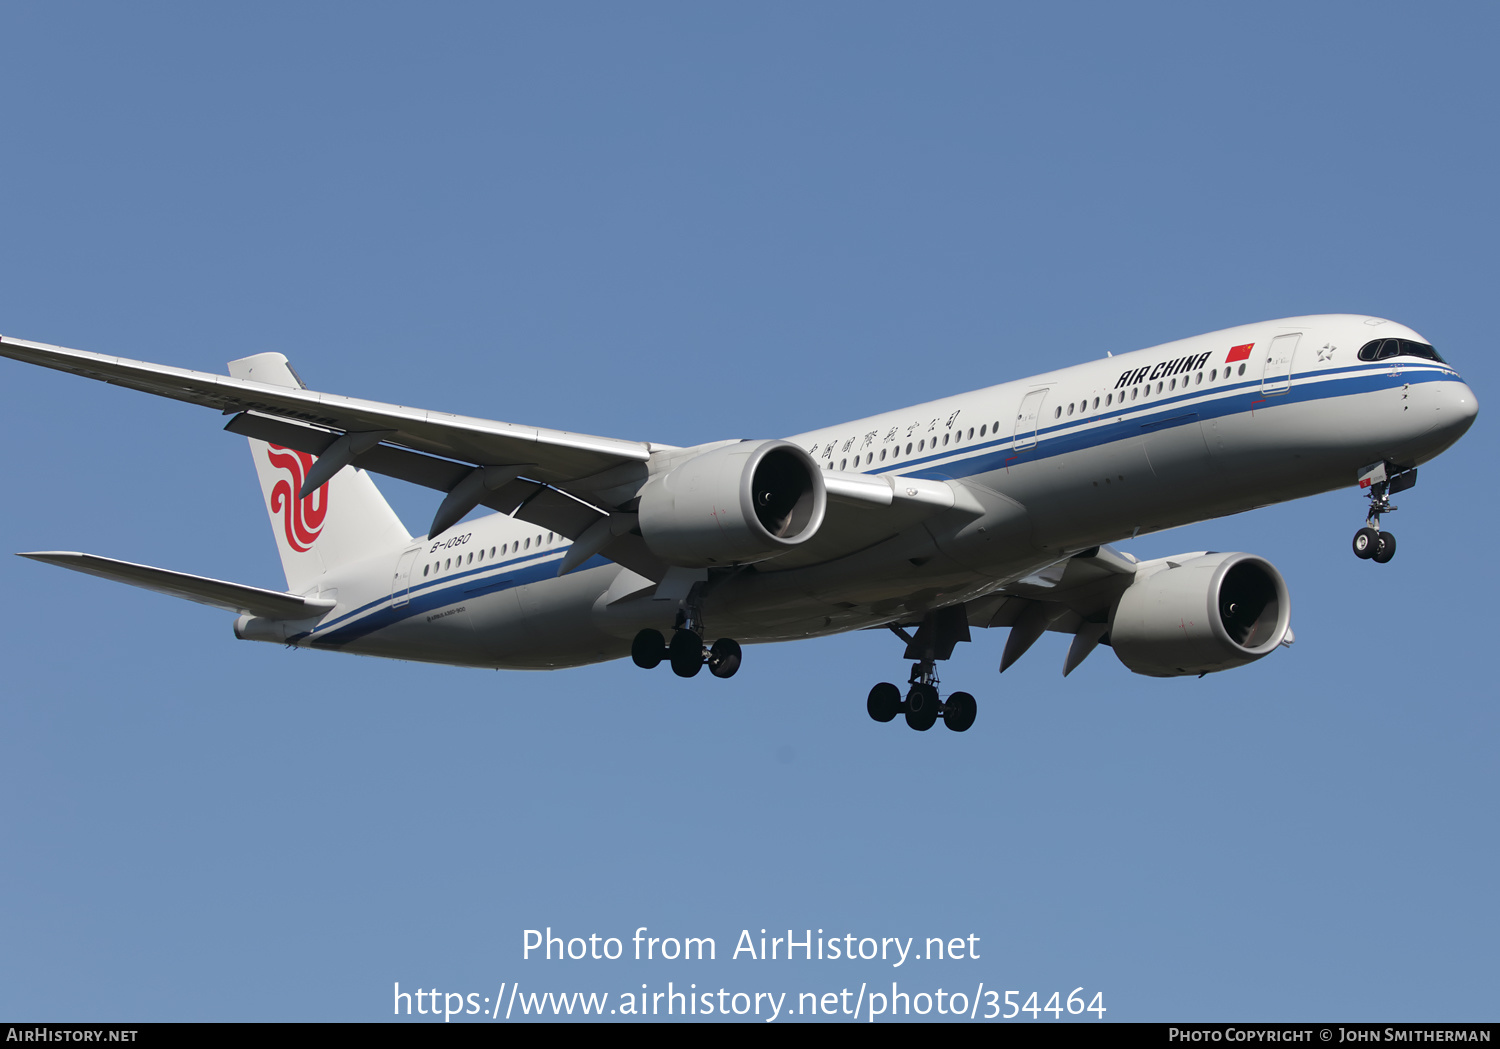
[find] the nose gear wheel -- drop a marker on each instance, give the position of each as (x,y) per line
(1370,543)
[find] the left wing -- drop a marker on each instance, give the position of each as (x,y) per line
(580,486)
(550,455)
(235,597)
(551,478)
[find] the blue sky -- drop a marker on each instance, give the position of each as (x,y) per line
(684,223)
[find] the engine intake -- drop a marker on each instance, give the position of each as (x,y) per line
(1207,613)
(737,504)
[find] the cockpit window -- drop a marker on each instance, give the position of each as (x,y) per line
(1380,349)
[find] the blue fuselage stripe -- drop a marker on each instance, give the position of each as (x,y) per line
(1115,423)
(383,612)
(1118,423)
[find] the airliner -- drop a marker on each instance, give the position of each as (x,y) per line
(994,508)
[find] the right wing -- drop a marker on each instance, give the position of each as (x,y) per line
(1073,596)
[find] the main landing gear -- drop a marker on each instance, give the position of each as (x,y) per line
(921,704)
(1380,482)
(686,653)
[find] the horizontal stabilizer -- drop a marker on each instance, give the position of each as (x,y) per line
(235,597)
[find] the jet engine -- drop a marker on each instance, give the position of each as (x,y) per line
(735,504)
(1206,612)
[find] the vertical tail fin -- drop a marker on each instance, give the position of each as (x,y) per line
(345,521)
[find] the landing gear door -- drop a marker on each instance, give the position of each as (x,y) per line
(401,584)
(1028,417)
(1278,373)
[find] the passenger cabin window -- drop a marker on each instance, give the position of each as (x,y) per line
(1380,349)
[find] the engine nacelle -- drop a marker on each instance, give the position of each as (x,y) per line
(1208,612)
(736,504)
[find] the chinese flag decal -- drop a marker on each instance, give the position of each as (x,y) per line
(1239,353)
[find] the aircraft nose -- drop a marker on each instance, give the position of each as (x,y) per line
(1453,410)
(1457,408)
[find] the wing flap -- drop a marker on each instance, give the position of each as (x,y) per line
(233,597)
(413,467)
(1073,596)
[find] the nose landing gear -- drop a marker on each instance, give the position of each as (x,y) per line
(1371,544)
(1380,482)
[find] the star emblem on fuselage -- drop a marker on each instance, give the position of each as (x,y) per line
(1326,353)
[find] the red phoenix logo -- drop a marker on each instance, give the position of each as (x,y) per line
(301,519)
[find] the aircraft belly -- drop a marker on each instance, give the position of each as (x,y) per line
(904,577)
(551,624)
(1287,449)
(442,634)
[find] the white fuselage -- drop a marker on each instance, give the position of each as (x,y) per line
(1059,463)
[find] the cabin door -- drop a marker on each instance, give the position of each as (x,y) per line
(1278,374)
(1028,417)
